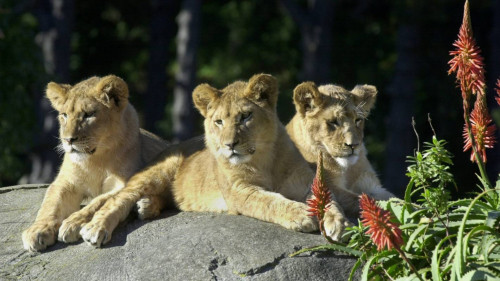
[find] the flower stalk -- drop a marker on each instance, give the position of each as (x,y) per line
(321,198)
(468,65)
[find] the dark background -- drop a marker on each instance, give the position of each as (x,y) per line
(163,49)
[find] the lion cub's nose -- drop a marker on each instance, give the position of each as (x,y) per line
(232,145)
(70,140)
(351,145)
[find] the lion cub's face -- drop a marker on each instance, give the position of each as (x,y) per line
(333,118)
(88,112)
(240,120)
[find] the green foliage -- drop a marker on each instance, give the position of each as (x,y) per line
(430,171)
(432,166)
(444,239)
(19,69)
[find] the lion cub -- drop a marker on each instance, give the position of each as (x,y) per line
(330,119)
(103,146)
(246,165)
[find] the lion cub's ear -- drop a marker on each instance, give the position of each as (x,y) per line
(306,97)
(262,89)
(57,94)
(203,95)
(112,90)
(365,96)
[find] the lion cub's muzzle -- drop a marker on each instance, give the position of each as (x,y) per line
(350,149)
(77,145)
(236,153)
(348,155)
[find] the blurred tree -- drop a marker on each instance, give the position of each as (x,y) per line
(242,38)
(55,19)
(315,22)
(247,37)
(365,53)
(400,138)
(189,21)
(20,70)
(112,37)
(162,30)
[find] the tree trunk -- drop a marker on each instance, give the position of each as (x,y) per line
(189,21)
(315,24)
(162,32)
(400,137)
(55,19)
(56,24)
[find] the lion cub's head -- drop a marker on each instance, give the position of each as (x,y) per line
(333,118)
(240,120)
(89,113)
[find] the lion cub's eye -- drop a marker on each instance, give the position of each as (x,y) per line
(218,122)
(246,117)
(358,122)
(333,123)
(88,115)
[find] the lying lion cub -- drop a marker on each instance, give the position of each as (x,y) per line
(330,119)
(103,146)
(248,165)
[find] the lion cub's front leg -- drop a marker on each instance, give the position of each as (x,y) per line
(70,227)
(150,183)
(40,235)
(98,231)
(335,222)
(58,203)
(147,207)
(269,206)
(297,218)
(150,206)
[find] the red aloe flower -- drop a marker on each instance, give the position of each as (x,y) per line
(482,128)
(498,91)
(319,202)
(467,61)
(383,231)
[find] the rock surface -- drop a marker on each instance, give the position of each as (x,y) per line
(176,246)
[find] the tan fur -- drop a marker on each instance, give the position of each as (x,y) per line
(103,146)
(246,165)
(330,119)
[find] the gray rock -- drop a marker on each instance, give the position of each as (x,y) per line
(176,246)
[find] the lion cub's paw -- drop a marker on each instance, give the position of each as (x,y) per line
(335,223)
(298,219)
(70,228)
(38,236)
(149,207)
(95,234)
